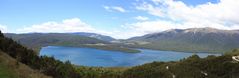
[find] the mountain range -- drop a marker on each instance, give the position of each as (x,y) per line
(38,40)
(192,40)
(187,40)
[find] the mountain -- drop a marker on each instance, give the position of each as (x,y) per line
(38,40)
(94,35)
(193,40)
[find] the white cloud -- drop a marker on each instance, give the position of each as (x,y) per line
(3,28)
(177,15)
(150,9)
(173,14)
(114,8)
(67,25)
(146,27)
(141,18)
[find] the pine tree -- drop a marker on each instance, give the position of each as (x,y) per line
(1,34)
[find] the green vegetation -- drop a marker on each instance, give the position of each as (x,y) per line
(100,72)
(5,72)
(192,67)
(11,68)
(233,52)
(38,40)
(47,65)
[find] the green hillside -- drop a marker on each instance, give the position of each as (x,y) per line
(11,68)
(5,72)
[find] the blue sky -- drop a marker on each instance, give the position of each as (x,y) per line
(18,13)
(108,17)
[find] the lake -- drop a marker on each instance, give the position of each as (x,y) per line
(104,58)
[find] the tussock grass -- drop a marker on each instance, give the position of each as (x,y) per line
(11,68)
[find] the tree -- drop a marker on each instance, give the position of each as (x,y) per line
(1,34)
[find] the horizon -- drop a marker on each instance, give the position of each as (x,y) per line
(113,37)
(116,18)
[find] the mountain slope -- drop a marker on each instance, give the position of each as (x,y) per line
(38,40)
(10,68)
(194,40)
(94,35)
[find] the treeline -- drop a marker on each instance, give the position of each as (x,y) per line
(192,67)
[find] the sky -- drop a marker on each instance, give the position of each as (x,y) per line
(120,19)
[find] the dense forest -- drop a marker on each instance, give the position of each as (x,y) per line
(192,67)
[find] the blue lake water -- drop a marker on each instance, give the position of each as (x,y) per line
(104,58)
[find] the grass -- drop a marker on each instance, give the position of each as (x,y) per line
(5,72)
(10,68)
